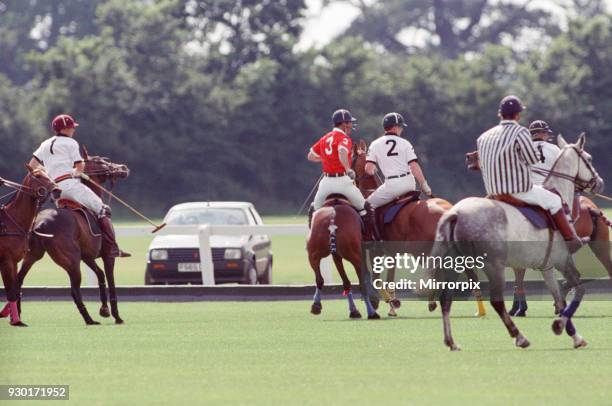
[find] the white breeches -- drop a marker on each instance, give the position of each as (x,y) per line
(391,189)
(80,193)
(541,197)
(342,185)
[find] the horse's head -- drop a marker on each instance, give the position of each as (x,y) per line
(366,183)
(580,164)
(102,169)
(40,186)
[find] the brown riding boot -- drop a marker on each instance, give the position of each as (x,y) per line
(108,236)
(370,222)
(574,243)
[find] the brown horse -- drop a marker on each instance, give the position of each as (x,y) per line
(15,227)
(590,223)
(72,242)
(416,221)
(337,230)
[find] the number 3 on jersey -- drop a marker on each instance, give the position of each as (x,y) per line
(328,149)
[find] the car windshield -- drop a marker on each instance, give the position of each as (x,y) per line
(214,216)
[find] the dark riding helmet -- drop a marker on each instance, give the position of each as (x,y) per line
(539,126)
(393,119)
(510,105)
(342,116)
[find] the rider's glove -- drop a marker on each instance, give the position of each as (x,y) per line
(84,176)
(351,174)
(425,188)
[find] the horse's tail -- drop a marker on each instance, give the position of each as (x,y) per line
(446,227)
(332,231)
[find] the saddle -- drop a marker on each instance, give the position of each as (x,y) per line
(386,214)
(338,199)
(539,217)
(88,215)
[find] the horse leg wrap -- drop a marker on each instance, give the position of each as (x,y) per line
(317,296)
(5,311)
(351,302)
(14,313)
(571,309)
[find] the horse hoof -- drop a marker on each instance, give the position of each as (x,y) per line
(454,347)
(432,306)
(92,323)
(119,321)
(104,312)
(580,344)
(557,326)
(373,316)
(522,342)
(355,314)
(19,324)
(316,308)
(396,303)
(392,312)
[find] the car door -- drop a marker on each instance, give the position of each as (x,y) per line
(260,243)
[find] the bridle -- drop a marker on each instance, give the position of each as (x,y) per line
(580,184)
(40,193)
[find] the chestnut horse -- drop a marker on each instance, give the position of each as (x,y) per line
(15,227)
(72,242)
(336,230)
(590,223)
(416,221)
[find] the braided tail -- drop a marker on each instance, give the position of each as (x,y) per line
(332,231)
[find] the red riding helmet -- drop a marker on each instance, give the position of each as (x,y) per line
(63,121)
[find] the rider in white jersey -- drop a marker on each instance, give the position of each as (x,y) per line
(397,161)
(61,159)
(547,152)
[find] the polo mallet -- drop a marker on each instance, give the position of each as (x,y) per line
(136,212)
(602,197)
(309,194)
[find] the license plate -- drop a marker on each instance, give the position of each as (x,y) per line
(189,267)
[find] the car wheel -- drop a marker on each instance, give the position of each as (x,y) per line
(148,280)
(252,275)
(266,278)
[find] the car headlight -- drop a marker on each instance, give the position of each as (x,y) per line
(159,255)
(232,253)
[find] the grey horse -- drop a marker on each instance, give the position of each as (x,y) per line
(479,225)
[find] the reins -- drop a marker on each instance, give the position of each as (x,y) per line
(580,184)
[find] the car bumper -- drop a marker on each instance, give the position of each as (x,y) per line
(226,271)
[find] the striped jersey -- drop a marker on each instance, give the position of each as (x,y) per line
(506,151)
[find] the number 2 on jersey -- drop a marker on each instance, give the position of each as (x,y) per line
(391,151)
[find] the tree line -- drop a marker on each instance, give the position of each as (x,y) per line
(214,100)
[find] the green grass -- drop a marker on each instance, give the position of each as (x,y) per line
(277,353)
(290,261)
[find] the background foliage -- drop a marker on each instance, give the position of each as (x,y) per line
(213,100)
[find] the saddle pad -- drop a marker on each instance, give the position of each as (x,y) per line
(394,208)
(537,217)
(92,221)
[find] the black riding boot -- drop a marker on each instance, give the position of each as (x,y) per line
(369,219)
(108,237)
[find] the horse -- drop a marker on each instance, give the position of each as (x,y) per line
(336,229)
(591,223)
(491,224)
(72,242)
(416,221)
(16,220)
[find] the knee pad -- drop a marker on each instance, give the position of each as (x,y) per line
(105,211)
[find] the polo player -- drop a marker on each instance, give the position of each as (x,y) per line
(61,158)
(334,151)
(397,161)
